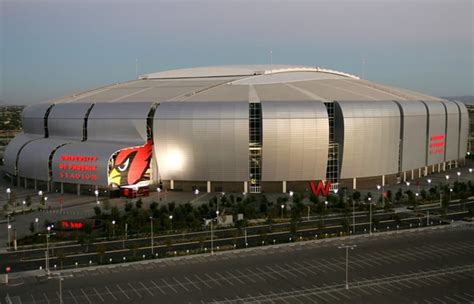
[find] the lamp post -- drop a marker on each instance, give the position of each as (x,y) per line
(450,193)
(36,224)
(9,227)
(23,206)
(126,235)
(282,208)
(459,175)
(470,172)
(429,183)
(113,228)
(96,192)
(8,191)
(45,201)
(171,221)
(151,235)
(370,208)
(347,247)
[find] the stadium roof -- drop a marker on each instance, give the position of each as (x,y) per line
(245,83)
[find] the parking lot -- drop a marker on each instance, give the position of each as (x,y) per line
(430,266)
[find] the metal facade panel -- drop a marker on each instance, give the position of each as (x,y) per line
(110,94)
(413,134)
(295,140)
(436,132)
(464,129)
(100,152)
(119,122)
(67,120)
(452,131)
(13,148)
(370,144)
(33,118)
(202,141)
(33,160)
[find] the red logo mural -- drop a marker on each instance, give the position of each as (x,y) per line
(130,165)
(77,167)
(437,144)
(320,188)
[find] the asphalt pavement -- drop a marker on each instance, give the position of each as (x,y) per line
(430,265)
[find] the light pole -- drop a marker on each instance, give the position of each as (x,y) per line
(96,192)
(23,206)
(347,247)
(45,201)
(212,239)
(470,172)
(450,192)
(370,208)
(282,208)
(353,217)
(9,227)
(113,228)
(126,235)
(36,224)
(151,235)
(8,191)
(459,175)
(429,183)
(171,221)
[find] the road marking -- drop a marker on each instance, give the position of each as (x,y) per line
(234,277)
(146,288)
(451,299)
(106,288)
(169,286)
(85,295)
(157,287)
(100,297)
(439,300)
(122,291)
(213,280)
(72,296)
(225,279)
(134,289)
(47,300)
(180,284)
(243,275)
(461,297)
(202,281)
(192,283)
(33,298)
(257,275)
(286,270)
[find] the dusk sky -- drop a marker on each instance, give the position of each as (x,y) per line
(53,48)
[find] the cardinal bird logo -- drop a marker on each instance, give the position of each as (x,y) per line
(130,165)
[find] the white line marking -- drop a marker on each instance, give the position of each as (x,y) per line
(146,288)
(243,275)
(73,297)
(157,287)
(111,294)
(122,291)
(169,286)
(100,297)
(235,278)
(47,300)
(213,280)
(85,295)
(202,281)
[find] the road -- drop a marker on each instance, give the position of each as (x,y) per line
(427,266)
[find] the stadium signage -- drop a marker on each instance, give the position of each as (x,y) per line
(320,188)
(72,225)
(78,167)
(437,144)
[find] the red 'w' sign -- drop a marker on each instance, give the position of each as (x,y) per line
(320,188)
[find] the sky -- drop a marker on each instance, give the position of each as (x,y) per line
(54,48)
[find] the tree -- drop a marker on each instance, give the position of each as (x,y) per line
(28,201)
(139,203)
(106,204)
(61,257)
(356,196)
(97,211)
(153,206)
(128,206)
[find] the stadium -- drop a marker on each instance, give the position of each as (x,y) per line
(252,129)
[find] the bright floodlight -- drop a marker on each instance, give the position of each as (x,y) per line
(171,216)
(335,191)
(24,203)
(217,212)
(408,184)
(196,191)
(113,222)
(40,193)
(36,220)
(429,180)
(378,187)
(8,190)
(282,206)
(326,203)
(48,228)
(369,198)
(458,173)
(417,194)
(447,177)
(291,193)
(470,170)
(96,192)
(158,189)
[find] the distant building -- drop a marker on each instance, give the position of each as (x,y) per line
(237,129)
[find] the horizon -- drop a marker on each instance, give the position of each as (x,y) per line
(52,49)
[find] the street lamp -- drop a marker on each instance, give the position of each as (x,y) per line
(196,191)
(8,191)
(447,178)
(459,175)
(408,184)
(96,192)
(151,234)
(113,228)
(370,208)
(282,207)
(23,206)
(9,227)
(36,224)
(347,247)
(470,171)
(171,221)
(429,183)
(450,192)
